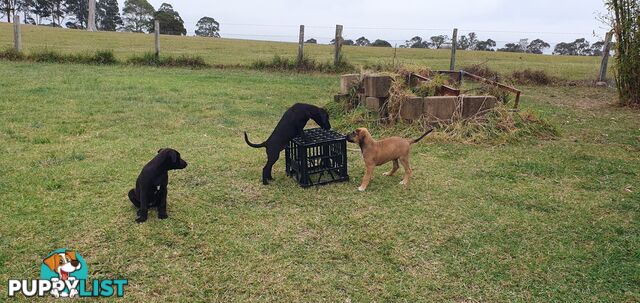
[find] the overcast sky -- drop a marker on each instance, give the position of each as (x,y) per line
(398,20)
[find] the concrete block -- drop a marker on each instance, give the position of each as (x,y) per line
(412,108)
(349,81)
(440,108)
(476,105)
(374,104)
(377,85)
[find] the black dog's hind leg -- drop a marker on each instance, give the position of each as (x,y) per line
(162,205)
(133,198)
(143,211)
(272,157)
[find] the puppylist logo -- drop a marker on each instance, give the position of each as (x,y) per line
(64,273)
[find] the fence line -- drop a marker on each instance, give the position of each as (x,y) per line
(338,42)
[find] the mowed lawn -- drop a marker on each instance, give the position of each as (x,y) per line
(539,220)
(234,52)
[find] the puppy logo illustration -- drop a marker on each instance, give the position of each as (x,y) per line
(64,265)
(65,274)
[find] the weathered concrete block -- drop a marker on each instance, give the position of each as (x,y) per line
(412,108)
(440,108)
(377,85)
(477,105)
(374,104)
(347,82)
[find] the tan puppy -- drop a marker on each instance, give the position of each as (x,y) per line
(376,153)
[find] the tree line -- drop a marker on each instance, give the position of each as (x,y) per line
(136,16)
(579,47)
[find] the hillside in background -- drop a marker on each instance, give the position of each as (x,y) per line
(232,52)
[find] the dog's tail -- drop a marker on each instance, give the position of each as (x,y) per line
(246,139)
(422,137)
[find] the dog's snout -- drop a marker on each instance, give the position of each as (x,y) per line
(75,263)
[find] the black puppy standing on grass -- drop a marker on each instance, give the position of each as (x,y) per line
(151,185)
(290,126)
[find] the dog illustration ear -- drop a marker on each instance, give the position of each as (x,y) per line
(71,254)
(52,261)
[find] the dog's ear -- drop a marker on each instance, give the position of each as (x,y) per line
(160,150)
(71,254)
(52,261)
(174,156)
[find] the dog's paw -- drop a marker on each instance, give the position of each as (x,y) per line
(141,219)
(388,174)
(361,188)
(163,216)
(404,183)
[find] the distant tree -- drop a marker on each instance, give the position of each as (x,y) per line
(512,48)
(78,10)
(41,9)
(138,16)
(417,42)
(57,8)
(9,8)
(108,15)
(537,46)
(170,21)
(381,43)
(208,27)
(580,47)
(487,46)
(438,41)
(311,41)
(362,41)
(597,48)
(467,42)
(348,42)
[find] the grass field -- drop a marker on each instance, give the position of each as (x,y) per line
(540,220)
(244,52)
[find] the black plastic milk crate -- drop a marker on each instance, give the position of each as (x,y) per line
(318,158)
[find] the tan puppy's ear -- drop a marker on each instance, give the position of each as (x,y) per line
(71,254)
(52,261)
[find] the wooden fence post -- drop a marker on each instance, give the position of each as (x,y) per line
(157,36)
(301,45)
(17,34)
(602,77)
(338,40)
(454,45)
(91,21)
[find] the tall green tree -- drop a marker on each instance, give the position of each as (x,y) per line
(467,42)
(208,27)
(362,41)
(170,21)
(108,15)
(8,8)
(381,43)
(57,8)
(438,41)
(625,18)
(78,10)
(41,9)
(537,46)
(487,46)
(138,16)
